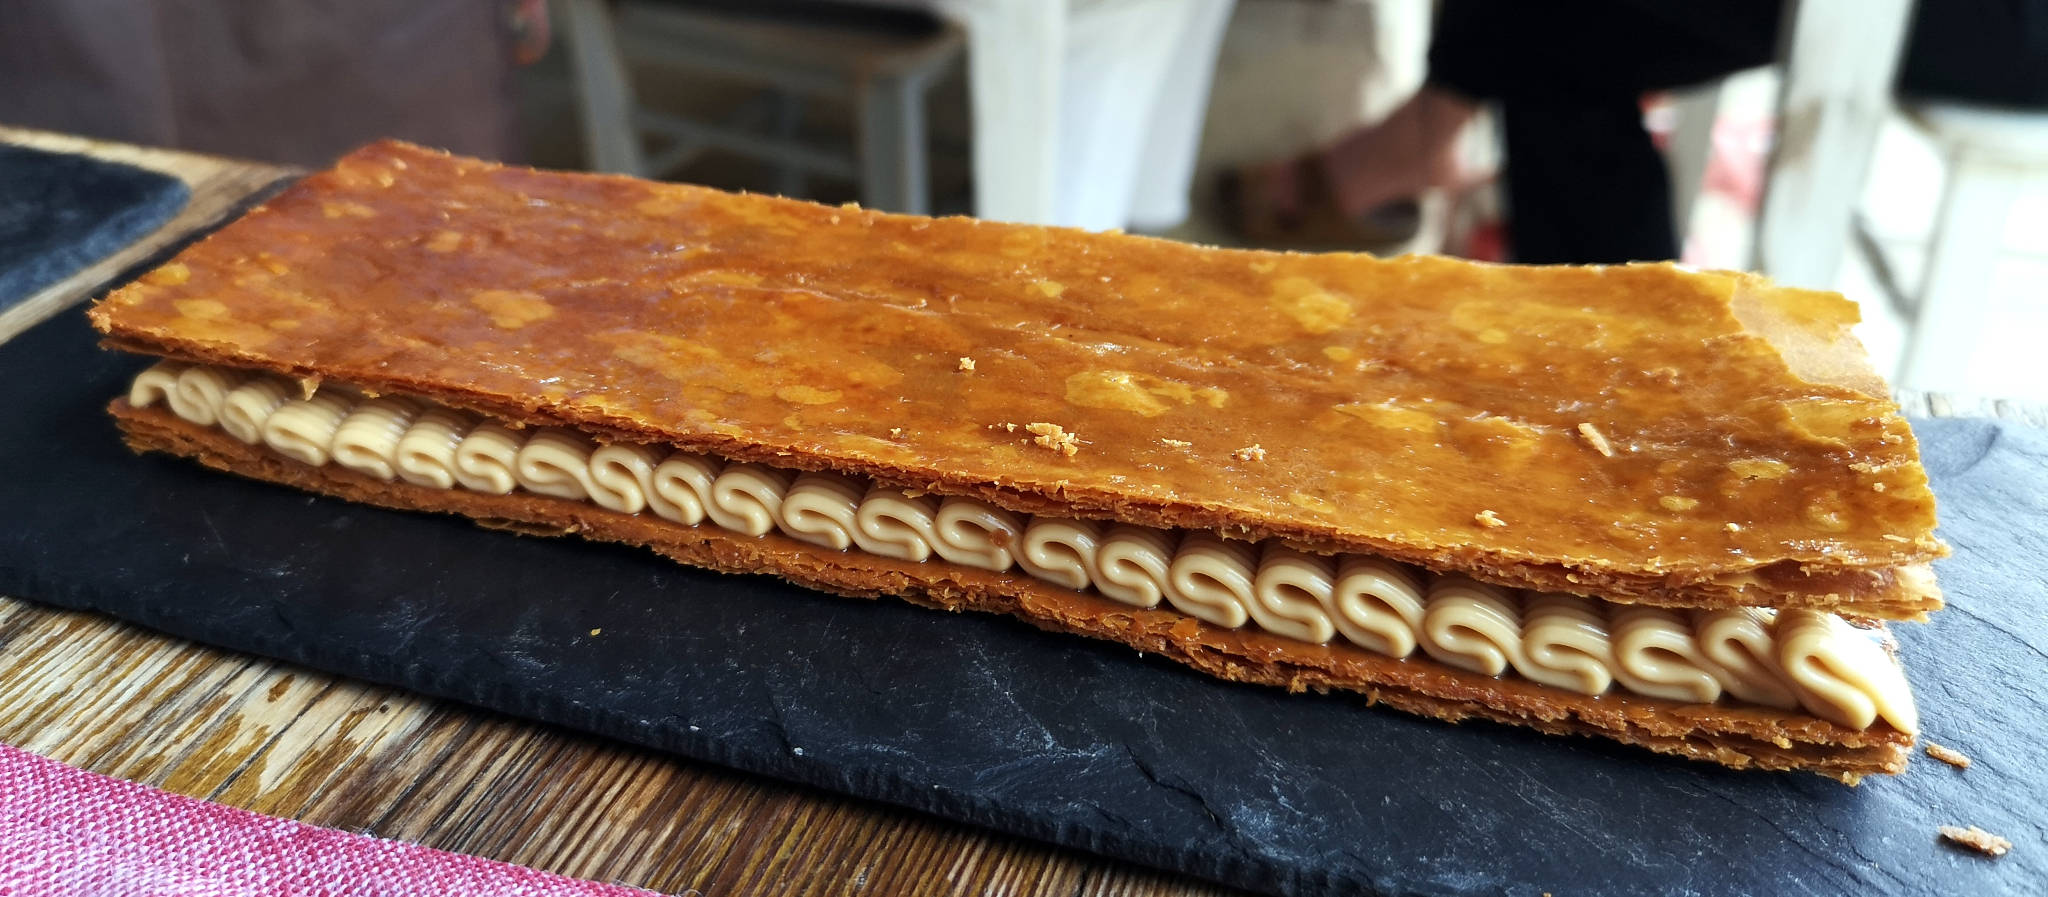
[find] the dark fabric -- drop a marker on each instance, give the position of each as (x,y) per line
(297,81)
(60,212)
(843,15)
(991,722)
(1585,185)
(1584,182)
(1511,51)
(1978,51)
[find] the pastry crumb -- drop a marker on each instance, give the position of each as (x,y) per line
(1733,527)
(966,363)
(1177,443)
(1877,487)
(1251,452)
(1488,518)
(1055,437)
(1977,839)
(1596,439)
(895,432)
(1948,755)
(1005,426)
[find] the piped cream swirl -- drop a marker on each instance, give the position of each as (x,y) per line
(1841,673)
(1472,626)
(244,409)
(822,509)
(1793,658)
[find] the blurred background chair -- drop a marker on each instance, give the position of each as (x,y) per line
(1086,113)
(1836,69)
(882,60)
(1834,98)
(1991,154)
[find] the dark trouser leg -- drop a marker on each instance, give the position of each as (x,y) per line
(1978,51)
(1585,185)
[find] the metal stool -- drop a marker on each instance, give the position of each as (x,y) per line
(885,75)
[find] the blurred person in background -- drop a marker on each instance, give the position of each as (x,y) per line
(1584,183)
(297,81)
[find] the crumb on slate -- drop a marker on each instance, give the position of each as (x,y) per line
(966,364)
(1488,518)
(1055,437)
(596,631)
(1249,453)
(1977,839)
(1948,755)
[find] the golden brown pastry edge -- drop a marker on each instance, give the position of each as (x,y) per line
(1906,593)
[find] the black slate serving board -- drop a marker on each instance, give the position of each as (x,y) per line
(60,212)
(988,721)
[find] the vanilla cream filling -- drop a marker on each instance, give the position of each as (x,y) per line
(1794,658)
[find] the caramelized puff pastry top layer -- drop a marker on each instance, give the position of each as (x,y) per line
(1641,421)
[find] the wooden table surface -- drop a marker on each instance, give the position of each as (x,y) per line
(271,737)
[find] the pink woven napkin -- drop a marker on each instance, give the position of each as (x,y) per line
(67,832)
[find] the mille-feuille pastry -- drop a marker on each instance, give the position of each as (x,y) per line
(1659,505)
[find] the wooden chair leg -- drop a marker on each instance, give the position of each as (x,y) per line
(893,173)
(1953,312)
(603,93)
(1692,146)
(1836,94)
(1015,52)
(789,118)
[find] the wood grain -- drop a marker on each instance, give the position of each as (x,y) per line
(266,736)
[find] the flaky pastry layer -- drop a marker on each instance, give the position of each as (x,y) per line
(1640,434)
(1787,659)
(1734,736)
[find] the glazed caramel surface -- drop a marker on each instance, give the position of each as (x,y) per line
(1644,418)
